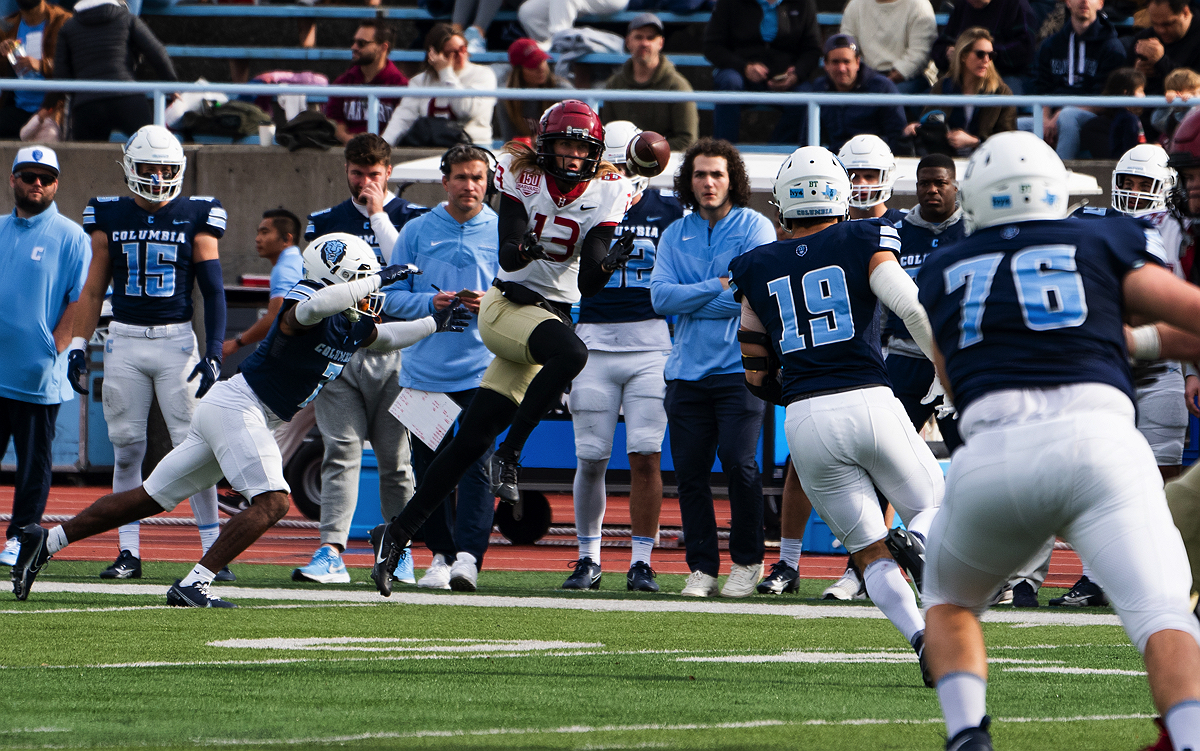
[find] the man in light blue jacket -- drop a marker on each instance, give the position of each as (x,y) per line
(709,410)
(455,246)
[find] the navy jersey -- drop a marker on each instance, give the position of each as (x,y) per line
(346,218)
(916,243)
(814,297)
(287,372)
(894,216)
(1036,304)
(626,297)
(151,254)
(1093,212)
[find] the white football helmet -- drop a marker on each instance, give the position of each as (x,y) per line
(1013,177)
(338,258)
(811,183)
(154,144)
(1144,160)
(617,136)
(869,152)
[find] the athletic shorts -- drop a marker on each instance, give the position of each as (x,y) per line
(505,328)
(612,383)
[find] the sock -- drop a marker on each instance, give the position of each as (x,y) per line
(789,551)
(198,574)
(127,475)
(919,525)
(641,550)
(590,499)
(56,540)
(333,549)
(1087,570)
(209,535)
(963,699)
(1183,725)
(204,509)
(890,592)
(130,537)
(589,547)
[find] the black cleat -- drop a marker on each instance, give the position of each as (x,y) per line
(909,551)
(194,596)
(387,556)
(127,566)
(639,579)
(586,576)
(972,739)
(1084,594)
(782,579)
(1024,595)
(504,478)
(30,559)
(225,575)
(919,646)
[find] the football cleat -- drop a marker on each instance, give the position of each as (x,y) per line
(504,479)
(918,645)
(225,575)
(1003,597)
(195,595)
(464,575)
(30,559)
(404,572)
(700,584)
(437,576)
(326,567)
(586,576)
(782,579)
(127,566)
(1024,595)
(388,553)
(1084,594)
(9,556)
(641,578)
(909,551)
(972,739)
(849,587)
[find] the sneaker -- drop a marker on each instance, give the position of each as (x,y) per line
(849,587)
(742,580)
(783,578)
(404,569)
(476,44)
(909,551)
(194,596)
(919,646)
(504,478)
(1024,595)
(31,557)
(464,574)
(1003,597)
(700,584)
(127,566)
(1084,594)
(225,575)
(1164,739)
(641,578)
(9,556)
(437,576)
(387,557)
(326,567)
(972,739)
(586,576)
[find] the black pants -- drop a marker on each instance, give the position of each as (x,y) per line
(911,378)
(12,119)
(31,427)
(97,119)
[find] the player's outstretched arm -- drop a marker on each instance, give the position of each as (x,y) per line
(592,273)
(1159,295)
(87,312)
(898,292)
(333,299)
(401,334)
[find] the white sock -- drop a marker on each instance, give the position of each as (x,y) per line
(1087,570)
(56,540)
(1183,725)
(920,524)
(208,519)
(129,536)
(209,535)
(641,550)
(890,592)
(198,574)
(789,551)
(589,547)
(963,698)
(127,475)
(590,497)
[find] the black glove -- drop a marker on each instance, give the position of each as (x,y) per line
(209,370)
(620,252)
(532,249)
(392,274)
(453,317)
(77,370)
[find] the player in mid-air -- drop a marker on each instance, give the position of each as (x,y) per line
(807,305)
(324,320)
(153,247)
(1027,314)
(872,169)
(559,205)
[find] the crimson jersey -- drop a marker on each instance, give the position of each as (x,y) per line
(561,221)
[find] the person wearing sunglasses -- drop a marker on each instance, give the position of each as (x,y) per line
(370,67)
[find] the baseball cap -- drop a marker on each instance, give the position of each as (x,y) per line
(840,41)
(525,53)
(38,156)
(645,19)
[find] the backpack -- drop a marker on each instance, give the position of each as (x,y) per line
(233,119)
(308,130)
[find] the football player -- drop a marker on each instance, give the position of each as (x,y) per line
(1027,316)
(872,169)
(807,305)
(559,204)
(323,321)
(628,344)
(153,247)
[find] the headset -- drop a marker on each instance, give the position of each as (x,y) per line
(466,152)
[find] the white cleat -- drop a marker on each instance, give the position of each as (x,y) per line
(849,587)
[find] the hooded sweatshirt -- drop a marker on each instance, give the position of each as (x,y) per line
(102,42)
(918,239)
(678,122)
(1079,65)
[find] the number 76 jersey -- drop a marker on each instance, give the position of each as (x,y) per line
(1035,304)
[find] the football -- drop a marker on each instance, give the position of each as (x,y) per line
(647,154)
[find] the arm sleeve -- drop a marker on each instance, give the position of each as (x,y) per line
(143,39)
(596,242)
(334,299)
(386,234)
(400,334)
(208,277)
(898,293)
(514,221)
(668,295)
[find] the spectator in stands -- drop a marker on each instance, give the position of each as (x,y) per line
(369,66)
(48,123)
(972,71)
(647,69)
(845,72)
(480,13)
(1075,61)
(895,37)
(542,19)
(1181,83)
(1115,130)
(1171,42)
(103,42)
(1011,23)
(529,68)
(448,65)
(772,45)
(33,32)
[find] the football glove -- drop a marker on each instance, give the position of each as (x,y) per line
(77,370)
(392,274)
(209,370)
(454,317)
(620,252)
(532,249)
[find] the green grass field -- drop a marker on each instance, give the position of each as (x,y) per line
(520,665)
